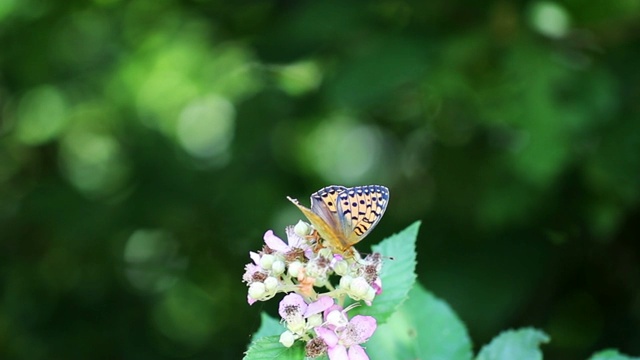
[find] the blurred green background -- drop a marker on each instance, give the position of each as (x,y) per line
(147,145)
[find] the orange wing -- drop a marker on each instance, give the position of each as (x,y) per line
(344,216)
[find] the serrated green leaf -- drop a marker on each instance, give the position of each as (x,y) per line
(523,344)
(269,348)
(424,327)
(268,326)
(611,354)
(398,274)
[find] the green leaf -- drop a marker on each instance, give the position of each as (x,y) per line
(269,348)
(523,344)
(398,274)
(424,327)
(268,326)
(611,354)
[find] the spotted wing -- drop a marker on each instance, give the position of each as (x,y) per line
(324,203)
(360,209)
(344,216)
(323,215)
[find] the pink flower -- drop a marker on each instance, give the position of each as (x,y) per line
(250,270)
(344,341)
(296,312)
(320,305)
(338,317)
(372,268)
(294,241)
(253,273)
(293,305)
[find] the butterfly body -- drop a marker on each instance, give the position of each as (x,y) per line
(344,216)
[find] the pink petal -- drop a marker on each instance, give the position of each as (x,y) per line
(330,309)
(356,352)
(377,285)
(250,300)
(366,324)
(309,254)
(292,299)
(249,270)
(294,240)
(338,353)
(323,303)
(329,337)
(275,242)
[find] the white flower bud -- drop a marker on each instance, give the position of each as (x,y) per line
(257,290)
(359,287)
(277,267)
(341,267)
(287,338)
(302,228)
(370,295)
(312,269)
(266,261)
(314,320)
(294,268)
(345,281)
(325,253)
(270,283)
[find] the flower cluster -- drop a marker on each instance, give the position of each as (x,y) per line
(317,281)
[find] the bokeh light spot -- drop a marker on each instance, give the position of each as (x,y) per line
(42,115)
(152,260)
(231,71)
(206,126)
(94,163)
(179,66)
(299,78)
(343,151)
(164,91)
(550,19)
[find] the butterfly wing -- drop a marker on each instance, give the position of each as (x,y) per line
(344,216)
(360,209)
(323,214)
(324,203)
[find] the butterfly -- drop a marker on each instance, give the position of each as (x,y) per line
(344,216)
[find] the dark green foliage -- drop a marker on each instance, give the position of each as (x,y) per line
(146,146)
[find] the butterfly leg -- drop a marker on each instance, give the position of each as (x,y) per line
(315,240)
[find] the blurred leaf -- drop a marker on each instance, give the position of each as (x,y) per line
(611,354)
(268,327)
(515,344)
(424,327)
